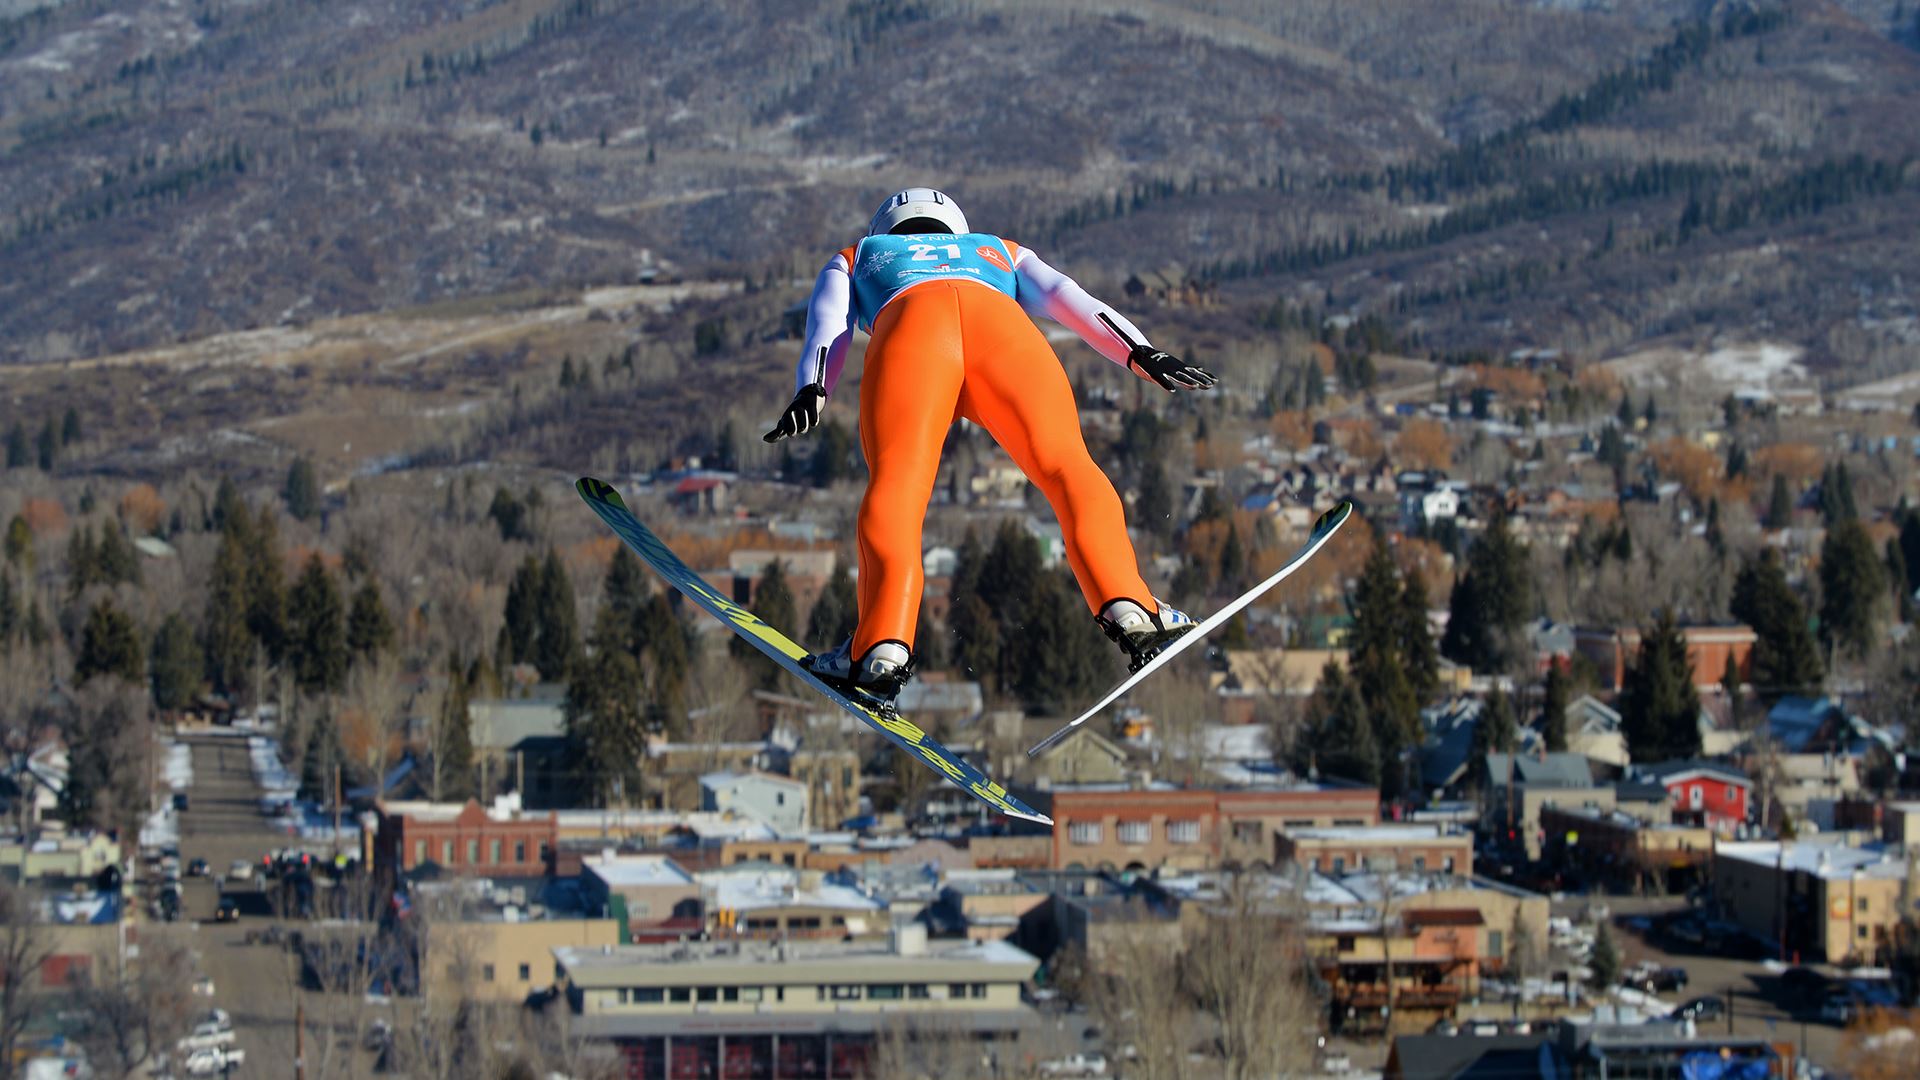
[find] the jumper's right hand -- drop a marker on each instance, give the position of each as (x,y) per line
(1168,370)
(802,414)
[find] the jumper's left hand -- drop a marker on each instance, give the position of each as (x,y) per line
(1168,370)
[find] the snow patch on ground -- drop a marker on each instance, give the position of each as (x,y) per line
(1745,369)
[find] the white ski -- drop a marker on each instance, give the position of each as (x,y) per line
(1323,531)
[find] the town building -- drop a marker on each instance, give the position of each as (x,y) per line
(793,1009)
(760,901)
(1827,901)
(1615,849)
(462,838)
(1709,649)
(53,854)
(1702,792)
(778,802)
(1418,849)
(1419,966)
(1121,828)
(1594,732)
(640,891)
(832,779)
(1519,785)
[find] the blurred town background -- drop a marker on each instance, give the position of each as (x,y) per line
(340,741)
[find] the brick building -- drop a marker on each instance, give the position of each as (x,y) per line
(501,841)
(1422,849)
(1613,650)
(1115,828)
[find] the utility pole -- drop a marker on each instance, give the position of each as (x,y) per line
(299,1039)
(336,810)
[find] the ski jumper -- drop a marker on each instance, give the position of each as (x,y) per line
(952,338)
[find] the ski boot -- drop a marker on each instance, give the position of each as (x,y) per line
(1142,633)
(878,676)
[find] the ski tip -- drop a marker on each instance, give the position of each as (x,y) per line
(1334,517)
(591,488)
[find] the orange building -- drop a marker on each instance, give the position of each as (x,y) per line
(1709,648)
(1117,828)
(1433,955)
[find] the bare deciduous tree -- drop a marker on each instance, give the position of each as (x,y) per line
(137,1013)
(24,945)
(1245,967)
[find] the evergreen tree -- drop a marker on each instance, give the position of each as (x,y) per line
(1493,731)
(227,642)
(230,513)
(1785,658)
(1491,602)
(318,646)
(109,645)
(1603,963)
(1340,738)
(302,490)
(1062,657)
(1897,579)
(1851,585)
(558,618)
(177,664)
(369,628)
(1378,666)
(522,623)
(513,517)
(83,567)
(1233,561)
(19,543)
(115,560)
(1659,711)
(17,453)
(605,725)
(1779,504)
(48,445)
(1153,506)
(625,592)
(453,739)
(831,454)
(773,602)
(266,587)
(1417,648)
(1554,724)
(9,613)
(666,642)
(70,427)
(1909,546)
(836,611)
(1836,495)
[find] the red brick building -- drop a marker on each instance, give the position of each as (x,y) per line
(1708,650)
(1111,828)
(465,839)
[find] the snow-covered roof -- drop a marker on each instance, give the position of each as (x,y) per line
(773,888)
(1830,862)
(634,871)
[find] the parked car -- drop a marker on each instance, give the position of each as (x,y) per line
(199,868)
(241,870)
(1079,1064)
(180,800)
(1653,978)
(214,1061)
(1839,1006)
(203,986)
(1700,1009)
(228,911)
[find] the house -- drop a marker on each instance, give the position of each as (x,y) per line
(702,494)
(1518,786)
(1552,645)
(1702,792)
(1803,725)
(1593,732)
(1448,750)
(778,802)
(1429,505)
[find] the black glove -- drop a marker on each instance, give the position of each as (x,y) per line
(801,415)
(1171,372)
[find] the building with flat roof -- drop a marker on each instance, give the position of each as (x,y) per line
(1114,827)
(640,890)
(1830,901)
(1615,848)
(761,901)
(1710,649)
(463,838)
(1433,848)
(788,1010)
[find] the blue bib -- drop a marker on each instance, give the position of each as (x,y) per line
(886,266)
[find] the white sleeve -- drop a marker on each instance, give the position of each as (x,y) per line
(829,327)
(1044,291)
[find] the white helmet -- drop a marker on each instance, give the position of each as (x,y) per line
(930,207)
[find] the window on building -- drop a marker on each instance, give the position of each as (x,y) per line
(1730,792)
(473,851)
(519,851)
(1084,832)
(620,995)
(917,991)
(1248,832)
(779,798)
(446,852)
(1348,822)
(779,993)
(1419,864)
(1861,905)
(1183,832)
(1339,864)
(544,851)
(1860,932)
(707,993)
(648,995)
(977,990)
(844,993)
(1496,943)
(1447,864)
(526,972)
(811,922)
(679,994)
(1135,832)
(846,778)
(751,993)
(1343,943)
(956,990)
(419,852)
(885,991)
(486,972)
(1297,823)
(493,851)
